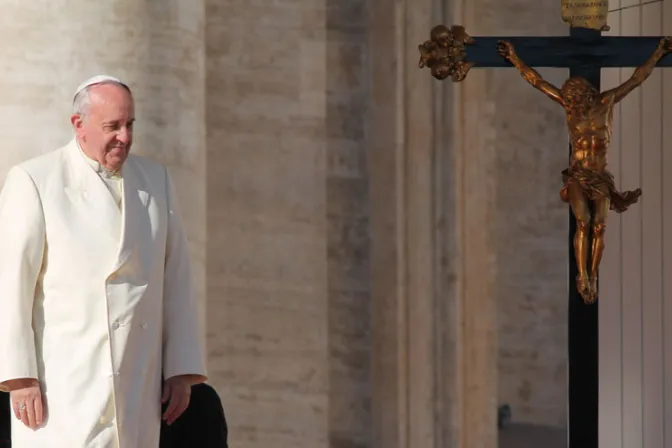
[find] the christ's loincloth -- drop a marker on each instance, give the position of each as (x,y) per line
(598,184)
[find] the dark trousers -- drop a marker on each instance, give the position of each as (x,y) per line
(5,420)
(202,425)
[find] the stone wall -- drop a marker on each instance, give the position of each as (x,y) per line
(636,270)
(531,231)
(288,223)
(298,93)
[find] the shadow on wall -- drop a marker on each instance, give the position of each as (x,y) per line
(348,225)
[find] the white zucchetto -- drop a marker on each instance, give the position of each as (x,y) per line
(99,79)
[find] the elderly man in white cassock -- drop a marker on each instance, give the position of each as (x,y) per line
(95,288)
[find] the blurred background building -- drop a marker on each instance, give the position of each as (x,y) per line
(382,257)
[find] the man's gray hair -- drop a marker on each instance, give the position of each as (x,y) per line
(81,101)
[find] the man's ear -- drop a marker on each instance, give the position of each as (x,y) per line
(77,121)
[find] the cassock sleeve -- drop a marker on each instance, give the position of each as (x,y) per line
(22,238)
(183,352)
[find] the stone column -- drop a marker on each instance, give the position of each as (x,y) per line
(432,162)
(267,251)
(445,159)
(157,47)
(431,264)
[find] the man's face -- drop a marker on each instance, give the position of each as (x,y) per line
(106,131)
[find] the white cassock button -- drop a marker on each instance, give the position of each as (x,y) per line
(116,373)
(144,324)
(115,325)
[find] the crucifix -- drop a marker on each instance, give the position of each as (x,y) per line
(587,186)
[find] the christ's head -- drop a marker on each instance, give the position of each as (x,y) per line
(578,93)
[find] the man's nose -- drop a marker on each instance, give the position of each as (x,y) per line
(124,135)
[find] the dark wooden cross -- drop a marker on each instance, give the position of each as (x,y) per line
(584,52)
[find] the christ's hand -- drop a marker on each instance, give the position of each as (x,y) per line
(506,50)
(665,44)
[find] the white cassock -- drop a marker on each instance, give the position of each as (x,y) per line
(96,298)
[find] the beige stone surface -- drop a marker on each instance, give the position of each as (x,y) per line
(496,229)
(268,295)
(433,273)
(531,224)
(404,365)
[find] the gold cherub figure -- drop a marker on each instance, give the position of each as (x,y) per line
(444,53)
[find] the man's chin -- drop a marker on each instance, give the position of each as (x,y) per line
(114,163)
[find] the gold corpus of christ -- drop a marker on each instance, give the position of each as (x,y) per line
(588,186)
(590,14)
